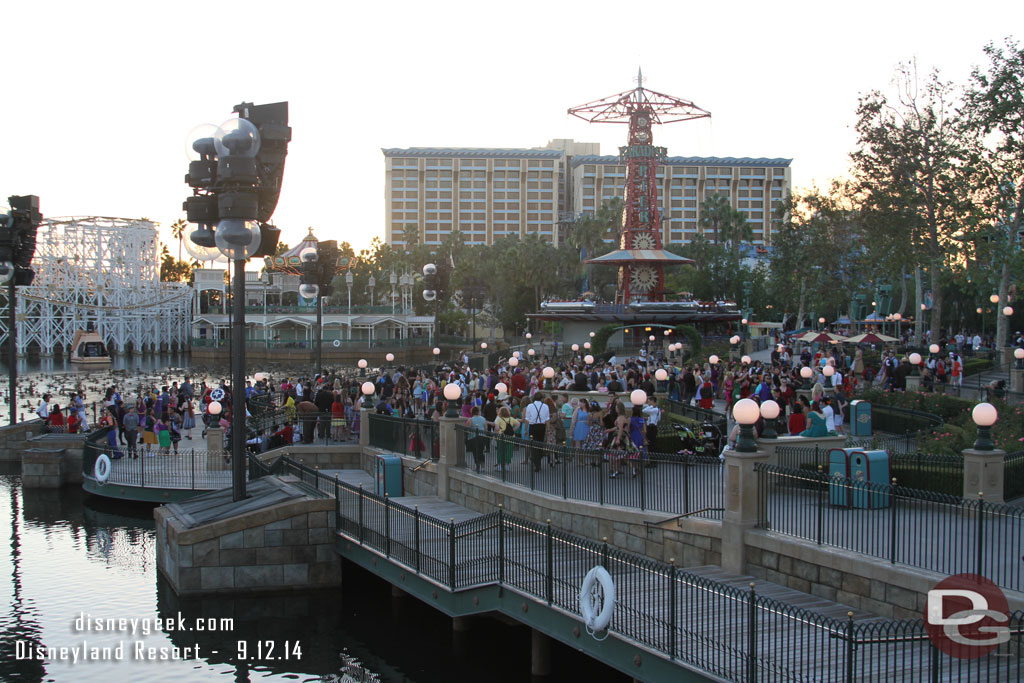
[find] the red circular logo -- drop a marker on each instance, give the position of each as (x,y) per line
(967,616)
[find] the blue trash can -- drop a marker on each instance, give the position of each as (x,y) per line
(860,418)
(858,478)
(387,475)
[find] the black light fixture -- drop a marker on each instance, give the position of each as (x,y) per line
(17,247)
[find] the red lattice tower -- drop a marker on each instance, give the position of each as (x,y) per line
(640,257)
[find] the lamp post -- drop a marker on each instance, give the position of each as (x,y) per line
(452,393)
(915,362)
(770,411)
(348,283)
(17,246)
(394,280)
(1018,354)
(806,373)
(548,373)
(984,416)
(746,412)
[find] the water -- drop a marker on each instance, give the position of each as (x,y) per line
(69,555)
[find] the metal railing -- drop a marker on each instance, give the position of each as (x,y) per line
(414,438)
(696,413)
(662,482)
(1013,475)
(934,531)
(185,468)
(732,633)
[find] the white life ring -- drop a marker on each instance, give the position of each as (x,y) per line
(102,469)
(597,620)
(337,343)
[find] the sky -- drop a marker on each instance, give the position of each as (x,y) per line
(99,97)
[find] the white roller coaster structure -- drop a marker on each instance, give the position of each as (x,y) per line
(100,273)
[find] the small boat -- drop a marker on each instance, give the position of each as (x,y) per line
(88,349)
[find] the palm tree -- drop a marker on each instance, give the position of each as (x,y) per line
(590,231)
(178,231)
(728,224)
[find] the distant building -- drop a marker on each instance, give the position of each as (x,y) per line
(754,186)
(487,194)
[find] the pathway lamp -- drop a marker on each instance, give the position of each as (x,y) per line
(734,340)
(745,360)
(593,334)
(501,388)
(994,298)
(829,372)
(638,397)
(746,412)
(588,359)
(530,352)
(513,362)
(452,393)
(1008,311)
(651,338)
(661,374)
(214,408)
(483,345)
(984,415)
(575,347)
(713,359)
(517,355)
(587,345)
(933,349)
(549,374)
(1018,354)
(529,335)
(437,352)
(770,412)
(806,373)
(667,332)
(349,278)
(368,390)
(915,362)
(389,357)
(362,367)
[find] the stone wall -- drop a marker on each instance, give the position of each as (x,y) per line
(338,457)
(42,468)
(71,447)
(690,542)
(866,583)
(283,547)
(13,438)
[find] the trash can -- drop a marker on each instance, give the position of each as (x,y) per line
(387,475)
(860,418)
(858,478)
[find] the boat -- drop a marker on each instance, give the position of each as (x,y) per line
(88,349)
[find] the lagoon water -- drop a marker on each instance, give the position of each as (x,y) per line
(67,556)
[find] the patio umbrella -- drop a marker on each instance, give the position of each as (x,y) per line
(872,338)
(819,337)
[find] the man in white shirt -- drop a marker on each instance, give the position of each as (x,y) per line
(537,415)
(43,409)
(830,414)
(652,413)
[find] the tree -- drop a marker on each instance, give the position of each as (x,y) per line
(909,158)
(178,232)
(174,270)
(994,123)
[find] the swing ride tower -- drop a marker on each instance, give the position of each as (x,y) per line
(640,257)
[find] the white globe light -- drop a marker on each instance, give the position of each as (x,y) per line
(746,411)
(483,345)
(575,347)
(452,391)
(638,397)
(984,415)
(548,372)
(1008,311)
(361,363)
(828,371)
(308,254)
(821,320)
(1018,354)
(713,359)
(429,269)
(308,291)
(389,357)
(588,359)
(516,354)
(897,316)
(934,348)
(745,360)
(501,387)
(586,345)
(651,338)
(667,332)
(994,298)
(661,374)
(513,362)
(214,408)
(915,359)
(437,351)
(593,334)
(530,352)
(368,388)
(978,309)
(744,321)
(529,335)
(259,376)
(770,410)
(735,339)
(806,372)
(237,239)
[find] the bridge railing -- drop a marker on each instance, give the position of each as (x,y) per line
(735,634)
(934,531)
(405,436)
(663,482)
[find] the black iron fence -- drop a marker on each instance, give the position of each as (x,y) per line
(1013,475)
(934,531)
(936,473)
(677,484)
(732,633)
(696,413)
(415,438)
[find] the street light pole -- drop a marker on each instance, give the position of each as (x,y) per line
(319,334)
(12,351)
(238,384)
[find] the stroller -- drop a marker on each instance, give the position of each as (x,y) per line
(707,440)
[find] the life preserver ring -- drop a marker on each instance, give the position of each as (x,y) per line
(102,468)
(595,620)
(217,394)
(337,343)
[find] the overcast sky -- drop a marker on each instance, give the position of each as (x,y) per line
(98,97)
